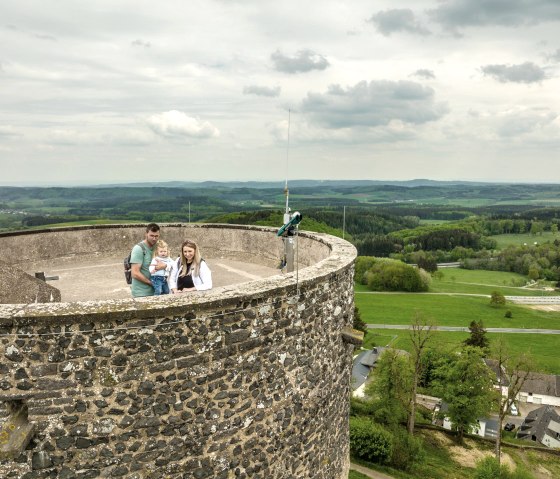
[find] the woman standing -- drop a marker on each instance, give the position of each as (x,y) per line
(192,273)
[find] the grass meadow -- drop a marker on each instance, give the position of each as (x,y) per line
(456,298)
(450,310)
(458,280)
(526,238)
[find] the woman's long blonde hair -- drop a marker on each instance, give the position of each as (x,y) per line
(195,268)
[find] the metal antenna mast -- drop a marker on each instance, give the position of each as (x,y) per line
(286,191)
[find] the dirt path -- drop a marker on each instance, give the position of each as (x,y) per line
(369,472)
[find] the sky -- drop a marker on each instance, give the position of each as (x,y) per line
(118,91)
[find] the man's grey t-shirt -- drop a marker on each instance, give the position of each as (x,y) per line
(143,256)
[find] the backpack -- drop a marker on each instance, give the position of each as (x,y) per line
(128,266)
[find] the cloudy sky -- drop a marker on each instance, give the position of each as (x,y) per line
(122,90)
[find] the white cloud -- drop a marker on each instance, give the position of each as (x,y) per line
(176,124)
(141,43)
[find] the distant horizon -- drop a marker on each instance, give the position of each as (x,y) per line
(70,184)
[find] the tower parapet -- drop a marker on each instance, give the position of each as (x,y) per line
(243,381)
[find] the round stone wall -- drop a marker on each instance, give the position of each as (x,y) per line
(245,381)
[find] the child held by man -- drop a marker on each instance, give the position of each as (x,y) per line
(159,277)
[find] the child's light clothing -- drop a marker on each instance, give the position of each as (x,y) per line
(159,277)
(162,272)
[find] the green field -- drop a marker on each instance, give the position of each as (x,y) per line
(450,310)
(455,300)
(458,280)
(527,238)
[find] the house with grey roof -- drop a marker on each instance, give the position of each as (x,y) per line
(541,389)
(541,425)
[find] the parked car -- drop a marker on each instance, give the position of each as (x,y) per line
(513,410)
(509,426)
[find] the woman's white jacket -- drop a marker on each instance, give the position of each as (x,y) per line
(201,282)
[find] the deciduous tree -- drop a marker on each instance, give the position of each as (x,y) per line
(421,332)
(511,372)
(391,387)
(465,384)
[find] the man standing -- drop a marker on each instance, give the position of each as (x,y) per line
(140,260)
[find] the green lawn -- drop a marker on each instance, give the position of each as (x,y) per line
(544,348)
(526,238)
(450,310)
(458,280)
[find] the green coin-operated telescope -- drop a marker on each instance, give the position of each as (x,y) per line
(288,228)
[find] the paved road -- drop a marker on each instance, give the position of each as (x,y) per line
(460,328)
(369,472)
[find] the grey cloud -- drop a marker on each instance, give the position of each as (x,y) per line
(555,57)
(521,123)
(462,13)
(526,72)
(423,73)
(8,132)
(398,20)
(373,104)
(261,91)
(141,43)
(303,61)
(45,37)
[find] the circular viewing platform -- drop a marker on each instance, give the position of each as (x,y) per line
(248,380)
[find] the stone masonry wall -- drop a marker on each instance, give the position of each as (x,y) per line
(239,382)
(19,287)
(243,243)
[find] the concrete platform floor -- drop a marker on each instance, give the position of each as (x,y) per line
(100,277)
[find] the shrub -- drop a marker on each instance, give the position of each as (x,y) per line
(391,275)
(497,299)
(407,451)
(427,262)
(361,407)
(490,468)
(359,323)
(363,264)
(508,314)
(370,441)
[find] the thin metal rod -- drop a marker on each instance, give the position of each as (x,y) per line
(343,221)
(286,191)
